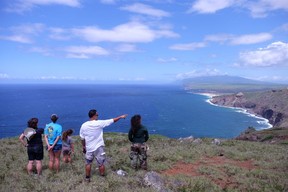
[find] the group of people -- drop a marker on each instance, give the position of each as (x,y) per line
(56,142)
(93,146)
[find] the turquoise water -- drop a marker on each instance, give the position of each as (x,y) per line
(165,110)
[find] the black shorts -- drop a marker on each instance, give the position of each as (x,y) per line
(66,152)
(35,152)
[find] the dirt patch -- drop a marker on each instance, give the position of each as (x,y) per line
(217,162)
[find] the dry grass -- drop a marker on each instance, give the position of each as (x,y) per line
(231,166)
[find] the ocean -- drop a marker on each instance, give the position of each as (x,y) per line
(168,110)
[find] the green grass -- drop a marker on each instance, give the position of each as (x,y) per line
(270,171)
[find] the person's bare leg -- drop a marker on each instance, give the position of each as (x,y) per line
(88,172)
(88,169)
(30,167)
(51,160)
(39,167)
(69,159)
(102,170)
(57,161)
(64,159)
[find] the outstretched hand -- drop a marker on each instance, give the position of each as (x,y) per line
(124,116)
(119,117)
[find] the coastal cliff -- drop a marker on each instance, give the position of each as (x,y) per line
(272,105)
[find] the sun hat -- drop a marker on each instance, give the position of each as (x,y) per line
(29,133)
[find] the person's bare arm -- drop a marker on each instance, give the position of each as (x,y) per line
(56,140)
(47,143)
(21,138)
(120,117)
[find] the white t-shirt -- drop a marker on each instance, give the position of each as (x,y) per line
(92,132)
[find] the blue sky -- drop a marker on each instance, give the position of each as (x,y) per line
(148,41)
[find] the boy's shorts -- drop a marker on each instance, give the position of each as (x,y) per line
(66,152)
(99,155)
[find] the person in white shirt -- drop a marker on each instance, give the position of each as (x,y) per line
(91,134)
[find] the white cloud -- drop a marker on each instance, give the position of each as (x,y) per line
(132,32)
(131,79)
(272,55)
(198,73)
(165,32)
(257,8)
(251,39)
(59,34)
(108,1)
(26,5)
(72,3)
(17,38)
(284,27)
(31,28)
(188,46)
(218,37)
(210,6)
(239,40)
(276,4)
(128,33)
(262,7)
(275,78)
(85,52)
(139,79)
(41,50)
(145,10)
(24,33)
(167,60)
(4,76)
(52,77)
(49,78)
(126,48)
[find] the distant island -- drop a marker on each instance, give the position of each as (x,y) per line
(227,84)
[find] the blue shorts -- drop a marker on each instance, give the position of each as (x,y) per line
(57,147)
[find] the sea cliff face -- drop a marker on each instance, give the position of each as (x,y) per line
(272,105)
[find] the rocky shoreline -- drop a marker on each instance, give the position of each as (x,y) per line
(271,105)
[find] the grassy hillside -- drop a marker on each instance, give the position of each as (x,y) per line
(273,135)
(183,165)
